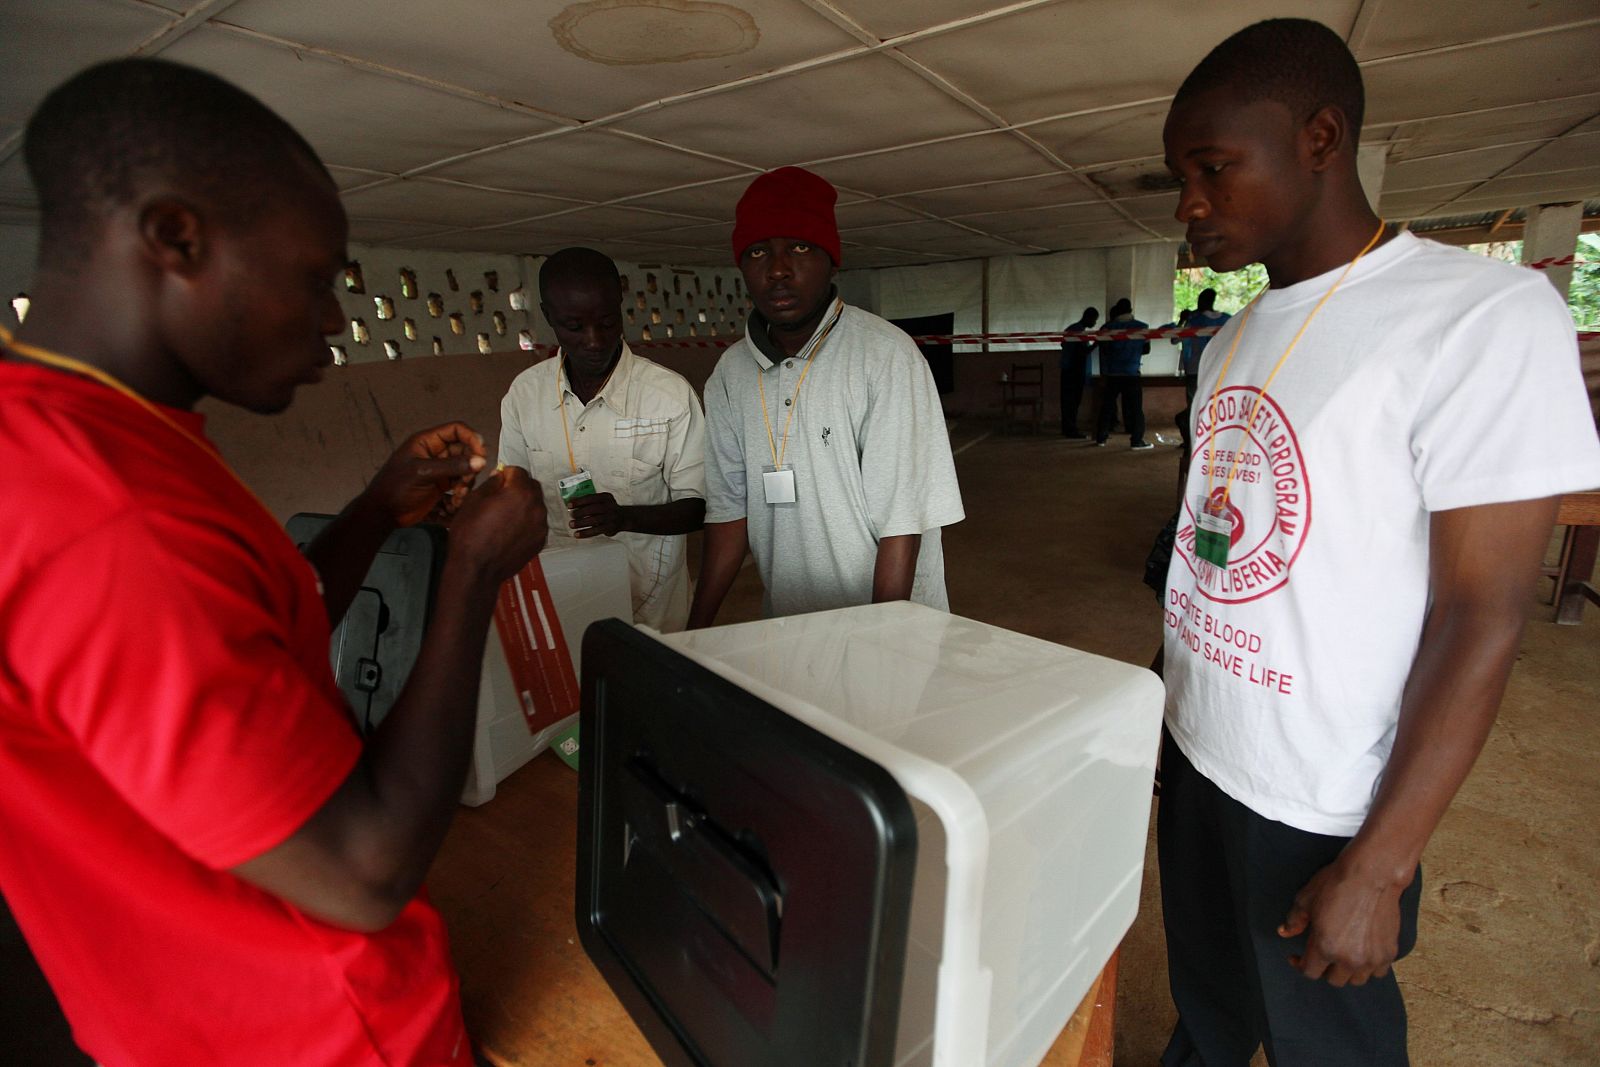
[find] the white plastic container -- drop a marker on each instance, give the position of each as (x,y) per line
(588,581)
(1029,767)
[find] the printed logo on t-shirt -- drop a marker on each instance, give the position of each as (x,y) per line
(1267,504)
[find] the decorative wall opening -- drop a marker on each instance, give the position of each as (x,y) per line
(20,305)
(353,282)
(391,349)
(385,307)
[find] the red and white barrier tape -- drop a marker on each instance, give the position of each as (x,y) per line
(1559,261)
(1152,334)
(1052,338)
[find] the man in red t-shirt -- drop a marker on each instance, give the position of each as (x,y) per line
(209,864)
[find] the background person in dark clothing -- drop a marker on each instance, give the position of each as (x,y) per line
(1074,371)
(1119,366)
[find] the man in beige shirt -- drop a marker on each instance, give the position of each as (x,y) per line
(634,426)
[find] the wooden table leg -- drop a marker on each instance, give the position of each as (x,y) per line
(1573,588)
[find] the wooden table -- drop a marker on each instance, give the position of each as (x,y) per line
(1580,514)
(504,881)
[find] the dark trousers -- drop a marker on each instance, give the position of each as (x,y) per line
(1072,376)
(1131,390)
(1228,877)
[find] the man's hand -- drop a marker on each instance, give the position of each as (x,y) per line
(429,475)
(596,515)
(501,524)
(1351,919)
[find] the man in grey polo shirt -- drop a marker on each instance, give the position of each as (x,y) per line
(826,451)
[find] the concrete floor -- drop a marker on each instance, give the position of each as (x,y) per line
(1507,967)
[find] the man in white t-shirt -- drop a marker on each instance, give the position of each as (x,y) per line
(827,456)
(633,426)
(1378,444)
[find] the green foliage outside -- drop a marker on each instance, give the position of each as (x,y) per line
(1235,290)
(1583,299)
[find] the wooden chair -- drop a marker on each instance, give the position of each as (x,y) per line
(1022,396)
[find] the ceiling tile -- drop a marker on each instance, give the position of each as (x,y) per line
(893,18)
(912,235)
(511,50)
(1105,136)
(1422,203)
(1399,28)
(1062,58)
(1533,120)
(352,117)
(1455,166)
(713,200)
(1157,207)
(1088,79)
(44,44)
(1021,223)
(386,231)
(1568,185)
(1547,66)
(1569,153)
(873,213)
(1033,192)
(986,157)
(1094,235)
(587,165)
(817,114)
(604,222)
(446,203)
(1134,179)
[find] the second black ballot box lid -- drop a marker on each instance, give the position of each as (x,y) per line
(744,881)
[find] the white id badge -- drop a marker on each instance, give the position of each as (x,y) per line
(779,484)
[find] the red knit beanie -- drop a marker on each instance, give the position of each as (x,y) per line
(787,202)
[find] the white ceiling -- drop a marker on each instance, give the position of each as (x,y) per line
(953,128)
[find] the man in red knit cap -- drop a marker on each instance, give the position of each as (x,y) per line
(826,452)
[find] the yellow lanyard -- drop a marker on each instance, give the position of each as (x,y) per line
(561,375)
(1222,375)
(808,353)
(67,363)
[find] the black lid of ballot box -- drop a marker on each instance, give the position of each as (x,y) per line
(744,882)
(376,643)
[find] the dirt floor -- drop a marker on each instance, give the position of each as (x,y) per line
(1507,966)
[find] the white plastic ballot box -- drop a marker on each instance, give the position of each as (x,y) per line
(877,836)
(587,581)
